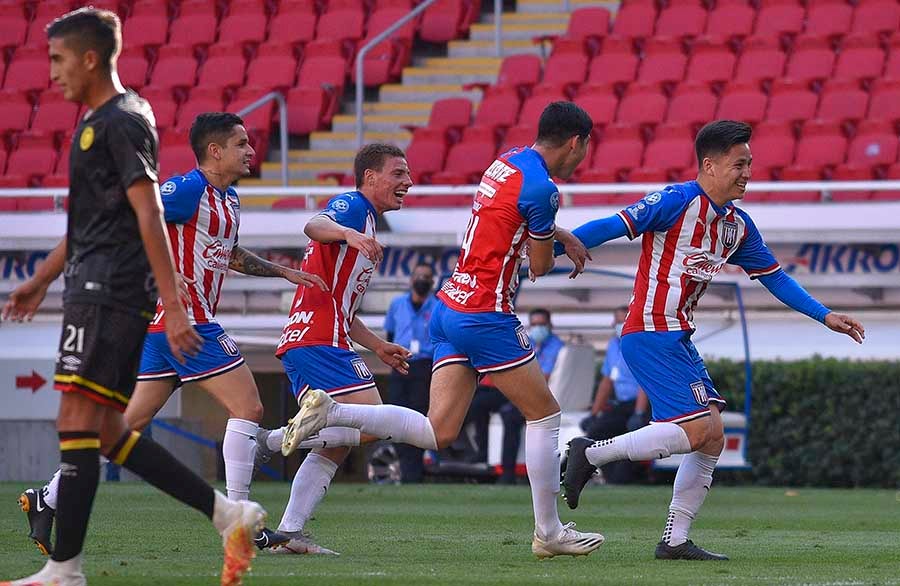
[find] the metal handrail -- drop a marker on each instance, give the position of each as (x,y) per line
(282,126)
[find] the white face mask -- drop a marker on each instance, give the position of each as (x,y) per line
(539,333)
(619,329)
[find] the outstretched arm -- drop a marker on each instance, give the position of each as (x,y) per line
(595,233)
(244,261)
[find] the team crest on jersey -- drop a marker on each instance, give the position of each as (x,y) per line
(699,391)
(87,138)
(167,188)
(653,198)
(228,345)
(340,205)
(554,201)
(524,340)
(729,234)
(360,368)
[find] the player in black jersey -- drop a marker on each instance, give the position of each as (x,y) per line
(116,255)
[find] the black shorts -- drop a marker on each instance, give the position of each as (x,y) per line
(99,353)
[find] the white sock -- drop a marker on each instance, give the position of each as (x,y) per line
(388,422)
(332,437)
(238,451)
(68,568)
(692,482)
(222,512)
(51,491)
(659,440)
(273,441)
(310,484)
(542,461)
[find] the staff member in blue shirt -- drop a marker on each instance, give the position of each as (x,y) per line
(406,323)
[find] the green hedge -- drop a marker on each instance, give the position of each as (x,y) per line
(819,422)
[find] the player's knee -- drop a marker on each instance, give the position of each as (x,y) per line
(251,412)
(138,422)
(445,437)
(336,455)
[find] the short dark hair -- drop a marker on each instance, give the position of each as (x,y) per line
(718,137)
(372,156)
(426,265)
(560,121)
(88,29)
(212,127)
(540,311)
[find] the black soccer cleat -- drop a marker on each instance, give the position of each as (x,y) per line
(578,470)
(268,538)
(686,551)
(40,518)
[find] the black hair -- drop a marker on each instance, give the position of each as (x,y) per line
(540,311)
(560,121)
(718,137)
(372,156)
(212,127)
(427,265)
(88,29)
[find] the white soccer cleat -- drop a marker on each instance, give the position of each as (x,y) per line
(53,574)
(311,418)
(567,542)
(243,521)
(301,543)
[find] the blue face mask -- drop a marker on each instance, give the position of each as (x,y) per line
(539,333)
(619,329)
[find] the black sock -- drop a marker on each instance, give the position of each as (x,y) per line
(80,473)
(153,463)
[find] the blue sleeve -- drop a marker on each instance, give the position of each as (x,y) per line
(596,232)
(389,325)
(347,210)
(180,197)
(606,370)
(538,203)
(752,254)
(789,292)
(655,212)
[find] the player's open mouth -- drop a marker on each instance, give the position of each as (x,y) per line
(742,186)
(400,194)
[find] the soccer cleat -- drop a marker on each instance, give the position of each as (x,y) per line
(301,543)
(686,551)
(263,453)
(237,538)
(567,542)
(578,470)
(268,538)
(54,574)
(312,417)
(40,518)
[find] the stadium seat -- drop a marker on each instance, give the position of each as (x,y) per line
(55,180)
(672,148)
(451,114)
(812,59)
(15,114)
(664,61)
(711,61)
(588,26)
(341,25)
(35,204)
(384,62)
(884,103)
(469,157)
(876,16)
(742,101)
(3,157)
(861,57)
(646,174)
(55,113)
(163,104)
(325,74)
(635,19)
(13,27)
(295,23)
(176,66)
(149,29)
(731,18)
(567,69)
(892,67)
(791,101)
(383,18)
(686,18)
(621,148)
(780,16)
(822,143)
(442,21)
(200,100)
(176,159)
(692,103)
(195,24)
(616,63)
(519,71)
(46,12)
(642,104)
(842,100)
(132,67)
(35,155)
(274,67)
(599,101)
(540,97)
(29,70)
(258,122)
(62,162)
(851,172)
(224,66)
(518,136)
(499,107)
(875,144)
(425,153)
(828,18)
(773,145)
(761,59)
(244,23)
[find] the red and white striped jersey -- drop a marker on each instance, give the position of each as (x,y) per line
(323,318)
(687,240)
(516,200)
(203,226)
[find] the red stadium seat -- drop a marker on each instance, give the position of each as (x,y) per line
(892,67)
(13,27)
(129,9)
(325,74)
(29,70)
(295,23)
(163,104)
(642,104)
(616,63)
(692,103)
(450,113)
(35,204)
(621,148)
(425,153)
(672,148)
(132,67)
(875,144)
(849,172)
(15,113)
(3,156)
(175,67)
(244,23)
(540,97)
(842,100)
(731,18)
(791,101)
(383,18)
(861,57)
(35,155)
(876,16)
(711,61)
(176,159)
(773,145)
(55,113)
(195,24)
(201,100)
(635,19)
(443,21)
(518,136)
(224,66)
(812,58)
(46,12)
(468,158)
(648,175)
(499,107)
(588,25)
(306,109)
(258,121)
(146,29)
(663,61)
(822,143)
(568,69)
(599,101)
(885,100)
(780,16)
(62,163)
(743,101)
(681,19)
(828,18)
(384,62)
(519,71)
(340,25)
(761,59)
(274,67)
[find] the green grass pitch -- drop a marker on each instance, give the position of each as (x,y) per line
(470,534)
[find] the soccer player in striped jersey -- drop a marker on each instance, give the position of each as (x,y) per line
(202,214)
(689,231)
(475,331)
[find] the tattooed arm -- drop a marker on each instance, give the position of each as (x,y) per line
(244,261)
